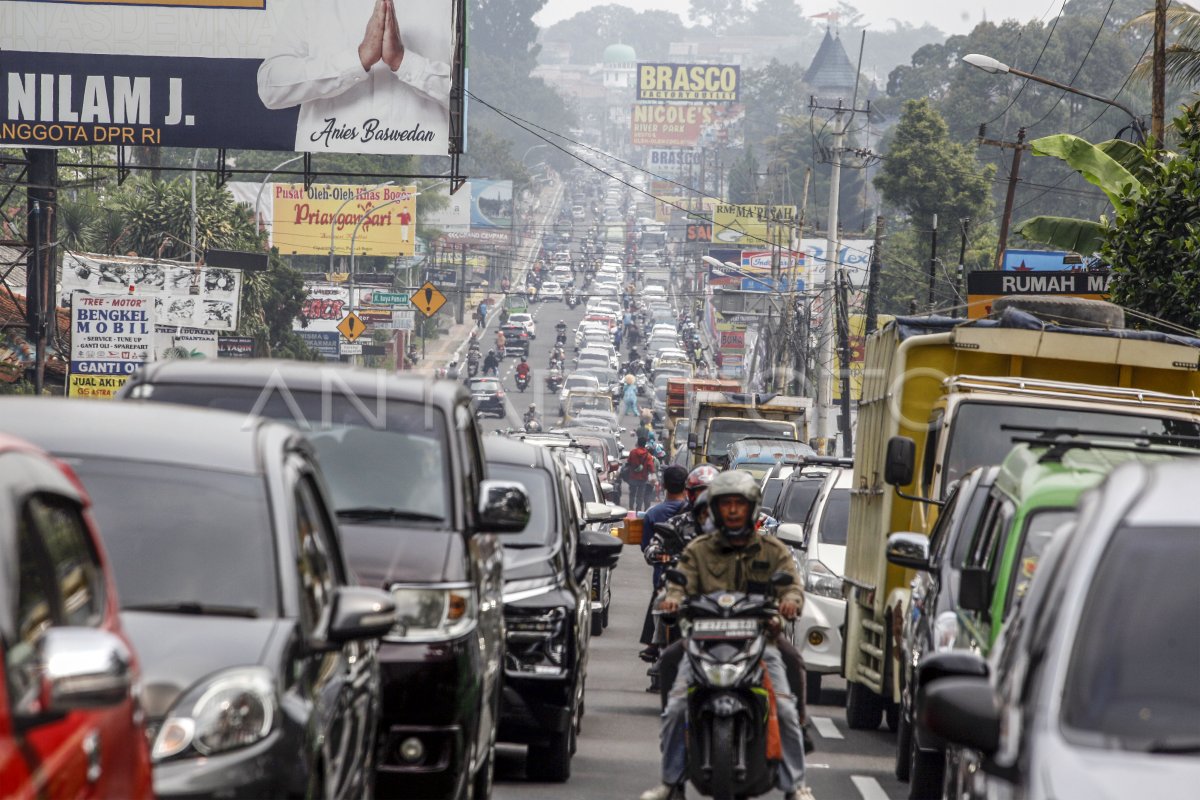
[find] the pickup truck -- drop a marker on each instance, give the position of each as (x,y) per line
(721,418)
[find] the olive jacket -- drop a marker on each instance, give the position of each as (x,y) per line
(711,565)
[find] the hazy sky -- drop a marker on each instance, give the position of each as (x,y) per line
(936,12)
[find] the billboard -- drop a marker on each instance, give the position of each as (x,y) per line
(325,304)
(694,83)
(810,261)
(184,294)
(750,224)
(1048,260)
(491,205)
(305,75)
(455,211)
(111,337)
(674,162)
(670,126)
(303,220)
(986,286)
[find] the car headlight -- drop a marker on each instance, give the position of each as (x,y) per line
(945,631)
(432,613)
(819,579)
(536,641)
(233,709)
(722,675)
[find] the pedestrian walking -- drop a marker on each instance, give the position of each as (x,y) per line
(640,469)
(629,405)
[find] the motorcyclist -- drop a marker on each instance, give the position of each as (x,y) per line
(556,358)
(452,370)
(500,341)
(733,558)
(523,369)
(531,414)
(561,328)
(490,363)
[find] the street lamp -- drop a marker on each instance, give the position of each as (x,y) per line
(996,67)
(333,227)
(530,150)
(267,177)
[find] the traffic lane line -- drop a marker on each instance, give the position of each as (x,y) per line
(827,728)
(868,787)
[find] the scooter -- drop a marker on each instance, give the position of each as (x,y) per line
(554,381)
(522,382)
(472,365)
(726,633)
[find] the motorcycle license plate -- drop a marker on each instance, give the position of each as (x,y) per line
(724,627)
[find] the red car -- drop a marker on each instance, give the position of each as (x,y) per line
(70,720)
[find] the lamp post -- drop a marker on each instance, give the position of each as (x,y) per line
(267,177)
(333,228)
(996,67)
(530,150)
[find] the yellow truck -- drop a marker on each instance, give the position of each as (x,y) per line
(941,397)
(718,419)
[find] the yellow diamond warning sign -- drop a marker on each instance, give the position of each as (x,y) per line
(352,326)
(427,299)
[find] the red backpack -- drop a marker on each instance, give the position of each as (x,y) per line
(640,463)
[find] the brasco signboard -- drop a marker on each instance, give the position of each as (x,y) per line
(696,83)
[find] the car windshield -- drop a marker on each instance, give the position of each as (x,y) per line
(798,499)
(541,504)
(580,469)
(723,433)
(770,493)
(179,535)
(1040,527)
(1131,681)
(485,385)
(978,439)
(835,518)
(375,454)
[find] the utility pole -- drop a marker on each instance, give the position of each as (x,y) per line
(42,204)
(460,314)
(964,223)
(797,344)
(932,263)
(1017,147)
(1158,90)
(843,329)
(872,320)
(833,266)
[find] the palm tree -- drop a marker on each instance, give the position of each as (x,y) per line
(1183,54)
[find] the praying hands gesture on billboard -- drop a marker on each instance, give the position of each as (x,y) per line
(381,42)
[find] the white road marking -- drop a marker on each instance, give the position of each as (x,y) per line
(868,787)
(827,728)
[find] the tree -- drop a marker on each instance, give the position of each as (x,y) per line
(743,179)
(505,30)
(719,14)
(924,173)
(1155,249)
(589,32)
(1183,54)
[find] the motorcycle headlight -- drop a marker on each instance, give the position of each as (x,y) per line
(234,709)
(945,631)
(819,579)
(426,614)
(722,675)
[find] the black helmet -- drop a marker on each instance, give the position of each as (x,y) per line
(698,505)
(734,483)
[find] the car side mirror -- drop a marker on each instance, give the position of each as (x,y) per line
(908,550)
(607,488)
(598,512)
(975,589)
(692,441)
(791,533)
(360,613)
(963,711)
(901,456)
(78,668)
(949,664)
(598,550)
(503,507)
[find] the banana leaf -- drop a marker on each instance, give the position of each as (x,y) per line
(1082,236)
(1129,155)
(1096,166)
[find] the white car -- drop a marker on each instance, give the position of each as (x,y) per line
(654,292)
(606,288)
(820,547)
(551,290)
(562,272)
(525,321)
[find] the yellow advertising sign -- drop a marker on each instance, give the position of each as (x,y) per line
(750,224)
(385,218)
(705,83)
(95,387)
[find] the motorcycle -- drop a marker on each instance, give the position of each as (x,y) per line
(554,381)
(533,426)
(522,381)
(726,633)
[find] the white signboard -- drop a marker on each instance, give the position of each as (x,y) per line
(404,319)
(455,213)
(324,307)
(184,343)
(184,295)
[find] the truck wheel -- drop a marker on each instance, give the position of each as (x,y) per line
(604,617)
(812,688)
(551,763)
(891,715)
(925,775)
(1076,311)
(904,738)
(864,709)
(597,623)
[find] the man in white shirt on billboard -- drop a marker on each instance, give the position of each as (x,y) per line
(367,79)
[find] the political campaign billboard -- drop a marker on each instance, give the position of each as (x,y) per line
(378,220)
(693,83)
(304,75)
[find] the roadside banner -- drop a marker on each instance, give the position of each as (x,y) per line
(111,337)
(184,343)
(984,287)
(325,305)
(327,343)
(751,224)
(236,347)
(670,126)
(1047,261)
(237,74)
(385,218)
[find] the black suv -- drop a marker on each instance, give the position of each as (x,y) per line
(405,469)
(547,605)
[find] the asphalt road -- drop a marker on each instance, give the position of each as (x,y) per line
(618,754)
